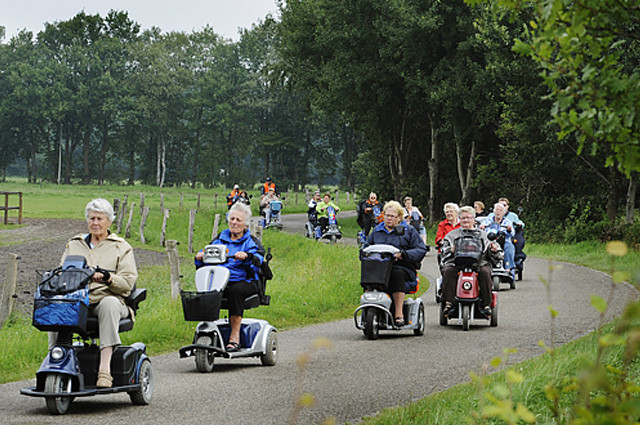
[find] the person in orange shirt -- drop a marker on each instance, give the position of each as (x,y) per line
(231,197)
(269,184)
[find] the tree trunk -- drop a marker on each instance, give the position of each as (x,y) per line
(434,169)
(612,199)
(632,190)
(86,177)
(67,157)
(465,174)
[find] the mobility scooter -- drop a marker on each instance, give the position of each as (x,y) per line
(467,253)
(275,210)
(257,337)
(376,306)
(332,232)
(499,274)
(70,369)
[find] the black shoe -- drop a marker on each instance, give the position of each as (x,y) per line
(448,308)
(232,347)
(399,322)
(486,311)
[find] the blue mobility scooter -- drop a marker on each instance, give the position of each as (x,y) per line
(257,337)
(70,369)
(275,210)
(376,306)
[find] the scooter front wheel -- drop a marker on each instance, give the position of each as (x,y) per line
(58,383)
(466,316)
(496,283)
(204,358)
(142,396)
(371,325)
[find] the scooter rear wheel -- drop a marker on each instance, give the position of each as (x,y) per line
(419,331)
(142,396)
(371,325)
(494,316)
(58,383)
(204,358)
(271,356)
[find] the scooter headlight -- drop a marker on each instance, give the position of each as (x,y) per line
(373,296)
(57,353)
(466,286)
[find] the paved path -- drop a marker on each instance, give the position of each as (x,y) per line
(353,379)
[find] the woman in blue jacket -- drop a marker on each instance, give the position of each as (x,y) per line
(396,232)
(243,262)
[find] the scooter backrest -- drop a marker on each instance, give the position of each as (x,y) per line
(211,278)
(275,206)
(214,254)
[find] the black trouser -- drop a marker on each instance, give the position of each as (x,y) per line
(324,223)
(450,280)
(398,281)
(367,223)
(236,292)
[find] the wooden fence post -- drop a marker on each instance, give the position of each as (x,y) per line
(127,232)
(7,295)
(120,213)
(174,266)
(347,195)
(306,195)
(337,196)
(181,199)
(215,201)
(143,221)
(162,202)
(116,208)
(216,222)
(163,232)
(255,228)
(192,221)
(141,203)
(198,205)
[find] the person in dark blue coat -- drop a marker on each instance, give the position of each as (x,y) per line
(244,260)
(396,232)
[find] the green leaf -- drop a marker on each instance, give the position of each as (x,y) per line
(598,303)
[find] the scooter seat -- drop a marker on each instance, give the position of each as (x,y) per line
(252,301)
(92,326)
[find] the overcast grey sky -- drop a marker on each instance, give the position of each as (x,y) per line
(224,16)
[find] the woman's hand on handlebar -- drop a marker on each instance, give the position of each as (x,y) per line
(199,255)
(241,255)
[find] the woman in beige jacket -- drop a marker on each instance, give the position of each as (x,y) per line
(107,291)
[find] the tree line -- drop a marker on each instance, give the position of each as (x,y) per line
(443,101)
(94,99)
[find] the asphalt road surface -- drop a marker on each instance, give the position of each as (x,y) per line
(356,377)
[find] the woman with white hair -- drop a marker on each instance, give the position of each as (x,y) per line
(107,291)
(245,257)
(451,212)
(396,232)
(501,222)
